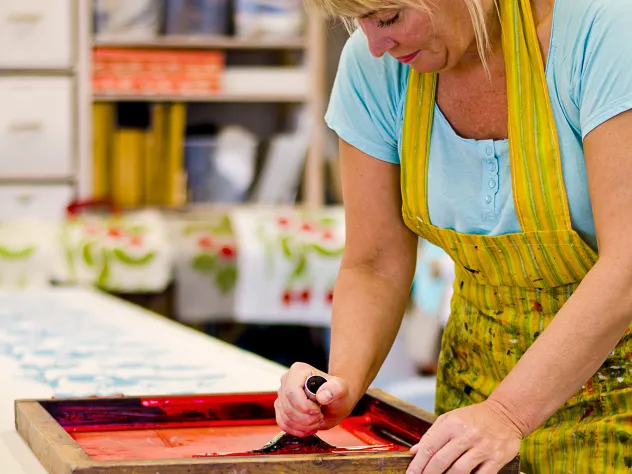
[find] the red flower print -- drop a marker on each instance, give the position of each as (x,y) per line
(327,235)
(287,297)
(115,232)
(136,241)
(330,296)
(205,242)
(282,221)
(227,251)
(307,227)
(305,295)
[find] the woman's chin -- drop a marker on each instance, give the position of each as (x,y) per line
(427,61)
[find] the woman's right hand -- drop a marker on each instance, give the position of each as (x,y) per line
(298,415)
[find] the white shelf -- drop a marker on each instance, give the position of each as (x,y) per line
(200,98)
(206,42)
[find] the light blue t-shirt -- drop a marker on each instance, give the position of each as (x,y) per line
(589,76)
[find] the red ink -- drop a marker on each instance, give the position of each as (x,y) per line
(587,413)
(537,306)
(590,388)
(221,425)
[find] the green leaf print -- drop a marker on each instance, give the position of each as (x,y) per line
(129,260)
(327,252)
(204,263)
(285,245)
(299,270)
(105,270)
(326,221)
(87,253)
(16,254)
(70,252)
(224,226)
(226,278)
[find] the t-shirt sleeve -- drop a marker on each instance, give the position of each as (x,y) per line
(605,67)
(365,101)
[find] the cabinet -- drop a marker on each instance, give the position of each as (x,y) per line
(43,201)
(36,127)
(37,34)
(44,92)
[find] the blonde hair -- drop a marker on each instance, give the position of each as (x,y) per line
(347,10)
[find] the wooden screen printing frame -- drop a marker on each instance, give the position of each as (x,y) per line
(61,454)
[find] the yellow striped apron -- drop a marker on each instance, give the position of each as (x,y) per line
(509,287)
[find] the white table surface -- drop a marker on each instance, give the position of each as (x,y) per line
(80,342)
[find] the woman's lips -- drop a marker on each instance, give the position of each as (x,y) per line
(408,58)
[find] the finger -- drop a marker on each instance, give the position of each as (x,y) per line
(330,391)
(279,414)
(431,443)
(293,388)
(488,467)
(299,417)
(292,426)
(289,427)
(448,455)
(467,463)
(437,426)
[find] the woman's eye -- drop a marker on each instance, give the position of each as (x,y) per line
(388,22)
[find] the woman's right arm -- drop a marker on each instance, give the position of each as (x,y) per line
(376,272)
(370,296)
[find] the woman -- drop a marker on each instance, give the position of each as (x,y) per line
(500,132)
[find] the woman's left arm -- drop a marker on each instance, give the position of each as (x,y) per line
(574,345)
(595,318)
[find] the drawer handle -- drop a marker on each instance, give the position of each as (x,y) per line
(24,17)
(17,127)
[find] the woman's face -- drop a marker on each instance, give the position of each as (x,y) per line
(413,37)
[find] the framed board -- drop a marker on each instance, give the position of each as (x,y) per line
(215,433)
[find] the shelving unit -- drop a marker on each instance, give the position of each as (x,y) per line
(45,124)
(312,48)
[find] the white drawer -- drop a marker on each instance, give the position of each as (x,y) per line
(47,202)
(36,34)
(36,123)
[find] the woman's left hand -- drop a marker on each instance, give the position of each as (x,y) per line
(480,438)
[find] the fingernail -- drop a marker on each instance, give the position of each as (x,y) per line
(326,395)
(314,412)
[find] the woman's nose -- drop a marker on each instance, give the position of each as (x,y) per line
(379,41)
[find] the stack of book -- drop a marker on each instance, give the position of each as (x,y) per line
(156,72)
(139,164)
